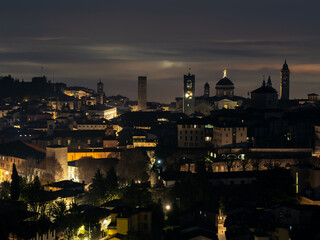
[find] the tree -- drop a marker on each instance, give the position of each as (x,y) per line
(53,169)
(111,182)
(33,194)
(112,179)
(97,188)
(67,221)
(255,163)
(137,195)
(15,187)
(5,190)
(27,168)
(58,211)
(244,164)
(230,163)
(133,166)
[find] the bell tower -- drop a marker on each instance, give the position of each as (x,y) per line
(284,82)
(188,94)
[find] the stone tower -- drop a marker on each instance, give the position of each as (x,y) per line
(100,92)
(142,92)
(188,94)
(206,93)
(284,82)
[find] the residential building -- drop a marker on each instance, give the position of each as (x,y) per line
(229,135)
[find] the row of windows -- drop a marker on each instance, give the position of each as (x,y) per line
(59,142)
(191,144)
(191,138)
(92,126)
(227,135)
(191,132)
(191,126)
(10,159)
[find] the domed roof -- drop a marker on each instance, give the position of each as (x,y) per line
(225,81)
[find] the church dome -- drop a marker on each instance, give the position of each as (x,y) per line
(225,81)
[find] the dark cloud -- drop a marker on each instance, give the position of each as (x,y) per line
(80,41)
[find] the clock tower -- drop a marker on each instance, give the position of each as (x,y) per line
(188,94)
(284,82)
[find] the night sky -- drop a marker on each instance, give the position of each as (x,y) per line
(80,42)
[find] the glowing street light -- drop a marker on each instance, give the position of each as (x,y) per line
(168,207)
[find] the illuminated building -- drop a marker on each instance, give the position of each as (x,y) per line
(60,154)
(123,222)
(142,93)
(224,88)
(93,153)
(189,94)
(227,135)
(194,133)
(285,82)
(224,98)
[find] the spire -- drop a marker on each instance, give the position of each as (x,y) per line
(269,83)
(225,73)
(285,65)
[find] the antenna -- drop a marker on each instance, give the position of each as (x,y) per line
(41,70)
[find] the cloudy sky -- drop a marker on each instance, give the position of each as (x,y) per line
(80,42)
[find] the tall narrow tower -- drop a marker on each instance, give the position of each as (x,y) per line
(206,92)
(188,94)
(100,92)
(284,82)
(142,92)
